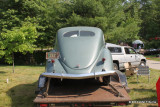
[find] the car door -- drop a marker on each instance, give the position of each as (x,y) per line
(137,57)
(130,56)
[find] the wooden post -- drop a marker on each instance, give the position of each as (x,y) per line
(13,60)
(158,91)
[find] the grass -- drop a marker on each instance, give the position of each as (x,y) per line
(144,90)
(152,57)
(19,92)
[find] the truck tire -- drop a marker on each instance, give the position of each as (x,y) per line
(115,66)
(142,63)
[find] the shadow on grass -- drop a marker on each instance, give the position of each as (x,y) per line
(22,95)
(2,72)
(133,83)
(150,101)
(139,105)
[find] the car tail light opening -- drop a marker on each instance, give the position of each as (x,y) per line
(103,59)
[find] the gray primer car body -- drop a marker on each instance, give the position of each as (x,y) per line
(82,54)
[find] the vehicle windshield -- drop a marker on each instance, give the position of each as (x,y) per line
(79,33)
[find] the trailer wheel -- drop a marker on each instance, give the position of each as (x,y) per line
(106,80)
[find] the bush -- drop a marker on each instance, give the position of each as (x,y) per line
(35,58)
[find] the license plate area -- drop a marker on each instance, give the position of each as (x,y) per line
(52,55)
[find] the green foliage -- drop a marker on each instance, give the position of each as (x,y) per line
(18,39)
(114,17)
(109,15)
(119,20)
(15,12)
(150,13)
(128,26)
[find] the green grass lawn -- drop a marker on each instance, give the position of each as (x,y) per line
(144,90)
(152,57)
(19,92)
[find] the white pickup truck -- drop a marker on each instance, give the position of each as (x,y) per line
(124,54)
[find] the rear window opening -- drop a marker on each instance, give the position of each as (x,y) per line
(115,49)
(86,33)
(71,34)
(79,33)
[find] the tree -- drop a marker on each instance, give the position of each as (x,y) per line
(117,19)
(14,12)
(18,39)
(109,15)
(150,13)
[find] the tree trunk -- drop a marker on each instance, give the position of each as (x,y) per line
(13,60)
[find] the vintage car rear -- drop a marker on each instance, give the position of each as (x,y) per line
(80,53)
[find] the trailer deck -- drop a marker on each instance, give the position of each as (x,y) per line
(88,91)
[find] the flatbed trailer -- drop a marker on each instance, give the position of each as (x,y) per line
(88,92)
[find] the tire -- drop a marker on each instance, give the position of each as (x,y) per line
(115,66)
(37,91)
(142,63)
(106,80)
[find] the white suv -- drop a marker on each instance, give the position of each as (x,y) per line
(124,54)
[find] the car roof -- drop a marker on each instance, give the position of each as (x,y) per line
(114,45)
(96,30)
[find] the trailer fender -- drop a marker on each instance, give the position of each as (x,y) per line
(120,77)
(41,84)
(41,81)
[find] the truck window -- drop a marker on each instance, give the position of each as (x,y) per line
(126,50)
(115,49)
(129,51)
(132,51)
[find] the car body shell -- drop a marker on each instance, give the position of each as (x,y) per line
(82,54)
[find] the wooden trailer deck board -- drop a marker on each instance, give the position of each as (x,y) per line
(83,91)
